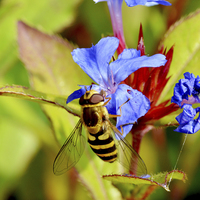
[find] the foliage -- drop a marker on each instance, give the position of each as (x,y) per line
(29,131)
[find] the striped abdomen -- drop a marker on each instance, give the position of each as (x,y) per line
(103,145)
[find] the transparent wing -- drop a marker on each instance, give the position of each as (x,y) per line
(71,151)
(127,156)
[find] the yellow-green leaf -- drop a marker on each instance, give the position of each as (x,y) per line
(185,37)
(52,70)
(161,179)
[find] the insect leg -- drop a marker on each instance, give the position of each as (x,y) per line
(114,116)
(109,98)
(120,108)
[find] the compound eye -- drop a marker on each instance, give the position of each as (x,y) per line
(96,98)
(81,100)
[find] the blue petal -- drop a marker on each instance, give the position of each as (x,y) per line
(189,75)
(130,60)
(136,107)
(131,3)
(95,60)
(186,92)
(149,4)
(184,88)
(191,100)
(97,1)
(196,91)
(186,120)
(181,91)
(187,115)
(78,93)
(156,2)
(189,128)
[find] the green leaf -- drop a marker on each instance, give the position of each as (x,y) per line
(52,70)
(51,67)
(175,174)
(19,91)
(185,37)
(18,147)
(43,14)
(139,184)
(49,61)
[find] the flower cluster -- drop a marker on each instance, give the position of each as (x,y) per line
(186,93)
(149,74)
(95,61)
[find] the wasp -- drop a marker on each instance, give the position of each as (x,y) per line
(101,138)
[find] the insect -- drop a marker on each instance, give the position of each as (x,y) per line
(100,133)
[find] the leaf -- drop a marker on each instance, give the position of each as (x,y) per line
(153,26)
(21,128)
(18,147)
(49,61)
(40,97)
(140,183)
(51,67)
(185,37)
(43,14)
(52,70)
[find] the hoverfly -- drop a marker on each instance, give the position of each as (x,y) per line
(100,131)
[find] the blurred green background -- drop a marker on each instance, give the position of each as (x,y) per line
(27,144)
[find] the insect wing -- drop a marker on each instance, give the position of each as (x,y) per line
(127,156)
(71,151)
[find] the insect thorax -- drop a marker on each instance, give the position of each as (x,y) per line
(93,118)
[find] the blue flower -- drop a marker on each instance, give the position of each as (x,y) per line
(187,90)
(95,62)
(186,93)
(131,3)
(115,8)
(186,119)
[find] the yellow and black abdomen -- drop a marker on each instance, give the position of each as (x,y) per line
(99,136)
(103,145)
